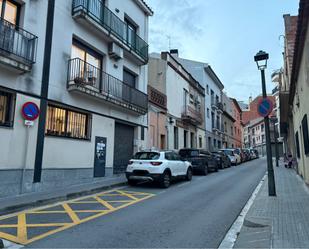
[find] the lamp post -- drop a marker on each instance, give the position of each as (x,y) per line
(261,60)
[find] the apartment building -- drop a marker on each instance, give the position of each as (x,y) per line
(298,92)
(213,103)
(228,121)
(237,128)
(89,78)
(184,120)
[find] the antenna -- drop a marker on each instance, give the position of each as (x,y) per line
(169,41)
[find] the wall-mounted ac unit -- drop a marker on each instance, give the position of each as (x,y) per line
(115,51)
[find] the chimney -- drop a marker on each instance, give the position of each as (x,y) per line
(174,52)
(250,100)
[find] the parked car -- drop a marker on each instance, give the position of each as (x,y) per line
(241,153)
(254,153)
(223,160)
(202,161)
(157,166)
(233,156)
(248,155)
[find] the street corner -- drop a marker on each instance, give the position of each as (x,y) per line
(34,224)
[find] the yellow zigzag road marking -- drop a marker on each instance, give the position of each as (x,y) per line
(68,210)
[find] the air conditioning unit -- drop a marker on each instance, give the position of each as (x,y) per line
(115,51)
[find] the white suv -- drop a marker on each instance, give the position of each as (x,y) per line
(157,166)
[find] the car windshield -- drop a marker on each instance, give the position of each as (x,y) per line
(146,156)
(186,153)
(228,152)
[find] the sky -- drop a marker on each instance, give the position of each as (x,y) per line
(226,34)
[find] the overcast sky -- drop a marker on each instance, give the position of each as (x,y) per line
(224,33)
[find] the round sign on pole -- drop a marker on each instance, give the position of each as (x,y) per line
(265,107)
(30,111)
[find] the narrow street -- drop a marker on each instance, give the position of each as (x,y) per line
(195,214)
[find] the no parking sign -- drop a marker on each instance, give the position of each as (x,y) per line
(265,107)
(30,111)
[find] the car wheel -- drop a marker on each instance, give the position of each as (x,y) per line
(189,174)
(216,168)
(205,171)
(165,180)
(132,183)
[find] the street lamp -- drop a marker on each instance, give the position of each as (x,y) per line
(261,60)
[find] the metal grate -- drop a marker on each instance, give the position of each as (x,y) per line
(67,123)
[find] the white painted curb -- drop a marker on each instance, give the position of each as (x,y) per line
(231,236)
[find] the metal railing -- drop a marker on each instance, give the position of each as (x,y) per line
(97,11)
(17,41)
(189,112)
(81,73)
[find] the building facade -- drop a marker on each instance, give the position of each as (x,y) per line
(213,103)
(228,121)
(299,90)
(237,128)
(89,78)
(185,102)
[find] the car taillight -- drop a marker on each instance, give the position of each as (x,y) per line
(156,163)
(130,162)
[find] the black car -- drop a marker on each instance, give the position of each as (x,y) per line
(202,161)
(223,160)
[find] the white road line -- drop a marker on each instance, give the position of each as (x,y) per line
(231,236)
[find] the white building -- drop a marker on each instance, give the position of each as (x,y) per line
(185,102)
(204,74)
(93,91)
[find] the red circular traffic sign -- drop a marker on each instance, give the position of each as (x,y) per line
(30,111)
(265,107)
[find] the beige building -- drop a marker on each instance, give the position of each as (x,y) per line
(184,125)
(299,91)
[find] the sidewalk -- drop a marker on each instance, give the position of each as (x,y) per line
(16,203)
(278,222)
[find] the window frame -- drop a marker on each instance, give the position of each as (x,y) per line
(88,123)
(11,103)
(18,11)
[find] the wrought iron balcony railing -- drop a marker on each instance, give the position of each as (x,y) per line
(92,80)
(98,12)
(17,43)
(191,115)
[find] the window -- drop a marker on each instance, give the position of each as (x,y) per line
(131,31)
(9,11)
(129,78)
(146,156)
(200,142)
(262,127)
(142,133)
(185,138)
(207,89)
(208,113)
(263,138)
(6,109)
(297,145)
(86,64)
(175,138)
(66,123)
(305,134)
(215,143)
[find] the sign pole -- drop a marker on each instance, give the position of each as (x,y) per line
(22,181)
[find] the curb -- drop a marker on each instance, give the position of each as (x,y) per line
(230,238)
(69,196)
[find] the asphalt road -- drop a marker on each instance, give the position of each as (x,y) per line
(188,214)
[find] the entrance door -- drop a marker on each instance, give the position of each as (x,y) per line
(123,149)
(99,156)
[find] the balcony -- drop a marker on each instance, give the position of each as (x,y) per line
(220,108)
(17,47)
(192,116)
(157,98)
(85,78)
(95,12)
